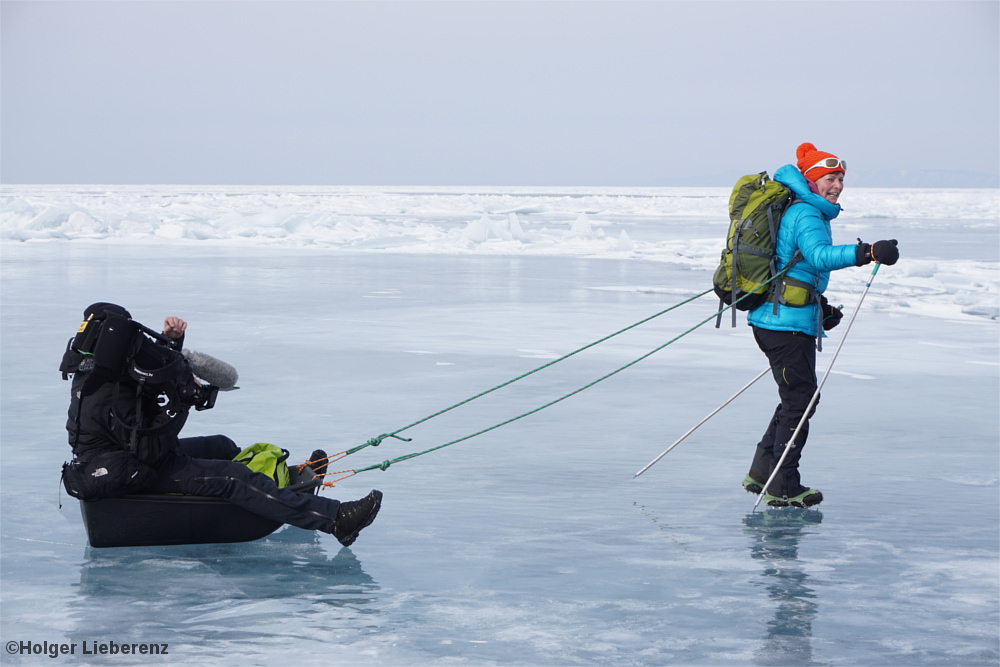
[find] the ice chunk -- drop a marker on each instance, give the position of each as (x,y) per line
(581,227)
(515,227)
(477,231)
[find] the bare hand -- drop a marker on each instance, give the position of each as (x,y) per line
(173,327)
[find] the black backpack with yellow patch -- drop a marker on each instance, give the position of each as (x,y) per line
(148,387)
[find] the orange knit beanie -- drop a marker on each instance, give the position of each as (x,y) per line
(809,159)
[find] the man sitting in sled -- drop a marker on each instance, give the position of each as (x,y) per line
(132,390)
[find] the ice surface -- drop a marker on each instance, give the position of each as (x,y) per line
(356,312)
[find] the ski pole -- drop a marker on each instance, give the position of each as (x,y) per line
(693,428)
(805,416)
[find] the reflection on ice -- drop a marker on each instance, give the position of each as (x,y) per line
(774,539)
(274,587)
(307,570)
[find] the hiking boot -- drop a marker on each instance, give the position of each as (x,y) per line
(807,498)
(356,515)
(319,461)
(752,485)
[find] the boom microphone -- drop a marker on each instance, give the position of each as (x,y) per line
(211,370)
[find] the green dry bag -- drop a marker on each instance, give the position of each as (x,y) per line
(266,459)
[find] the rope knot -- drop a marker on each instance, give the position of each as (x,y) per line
(385,465)
(375,442)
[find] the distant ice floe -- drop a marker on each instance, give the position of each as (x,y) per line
(538,354)
(683,226)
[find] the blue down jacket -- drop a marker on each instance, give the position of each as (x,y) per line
(806,227)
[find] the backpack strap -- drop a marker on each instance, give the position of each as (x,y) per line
(736,269)
(134,428)
(163,418)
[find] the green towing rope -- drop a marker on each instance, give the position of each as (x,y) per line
(374,442)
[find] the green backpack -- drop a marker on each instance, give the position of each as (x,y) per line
(748,261)
(266,459)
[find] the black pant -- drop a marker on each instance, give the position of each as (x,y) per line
(792,356)
(203,466)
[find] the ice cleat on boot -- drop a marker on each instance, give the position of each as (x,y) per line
(807,498)
(751,485)
(356,515)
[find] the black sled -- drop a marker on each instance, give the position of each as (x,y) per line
(147,520)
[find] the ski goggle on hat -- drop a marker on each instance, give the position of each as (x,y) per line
(829,163)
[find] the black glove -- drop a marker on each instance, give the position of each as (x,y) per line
(884,252)
(831,315)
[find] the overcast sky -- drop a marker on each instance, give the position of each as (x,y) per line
(490,93)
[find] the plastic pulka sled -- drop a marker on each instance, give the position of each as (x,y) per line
(145,520)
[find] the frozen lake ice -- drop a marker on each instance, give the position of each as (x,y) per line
(531,544)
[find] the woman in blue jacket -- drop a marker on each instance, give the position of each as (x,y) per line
(788,328)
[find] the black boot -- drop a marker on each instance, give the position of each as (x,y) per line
(356,515)
(787,488)
(752,484)
(805,498)
(319,461)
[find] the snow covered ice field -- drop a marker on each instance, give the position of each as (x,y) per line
(351,312)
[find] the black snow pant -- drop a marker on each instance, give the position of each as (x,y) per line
(203,466)
(792,356)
